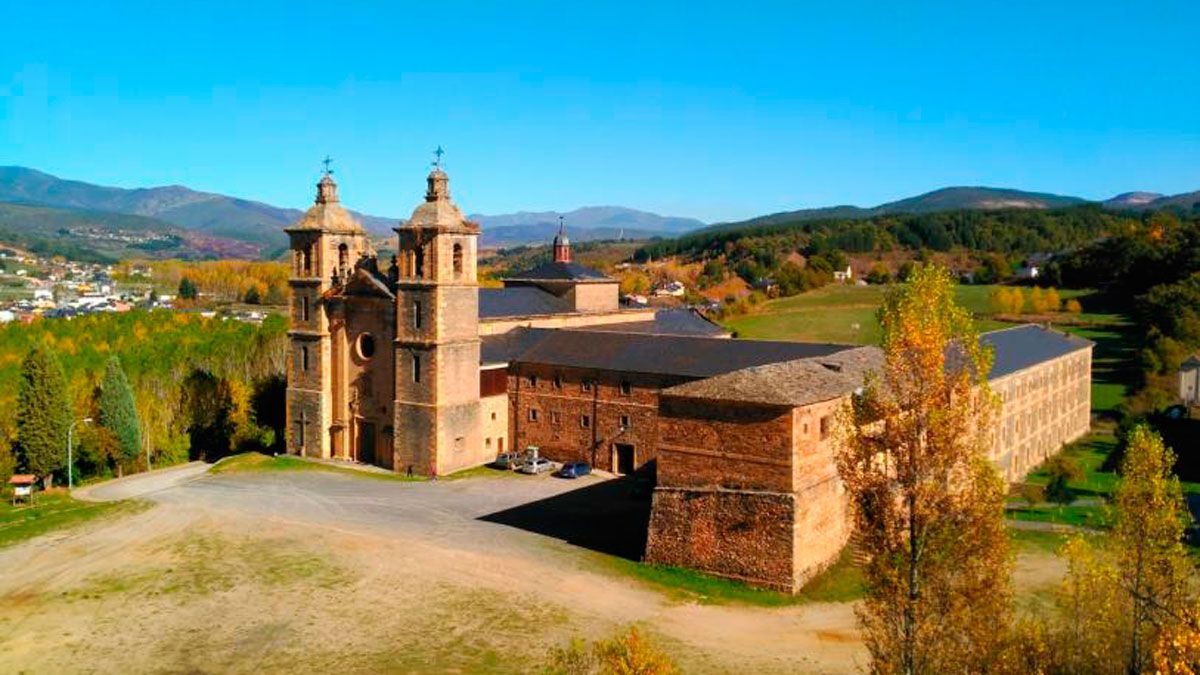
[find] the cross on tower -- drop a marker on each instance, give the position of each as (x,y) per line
(327,161)
(437,163)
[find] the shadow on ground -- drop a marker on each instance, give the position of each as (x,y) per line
(609,516)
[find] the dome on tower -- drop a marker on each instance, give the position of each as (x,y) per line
(326,213)
(438,210)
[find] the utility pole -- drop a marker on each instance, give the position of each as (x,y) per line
(70,444)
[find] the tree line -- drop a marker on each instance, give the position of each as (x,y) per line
(159,387)
(252,282)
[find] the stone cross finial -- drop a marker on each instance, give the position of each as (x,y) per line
(327,161)
(437,162)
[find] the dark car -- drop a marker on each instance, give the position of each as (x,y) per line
(574,470)
(509,460)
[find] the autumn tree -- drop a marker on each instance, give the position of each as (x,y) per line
(43,413)
(187,289)
(118,412)
(1148,541)
(927,505)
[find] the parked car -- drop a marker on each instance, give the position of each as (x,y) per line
(536,466)
(573,470)
(509,460)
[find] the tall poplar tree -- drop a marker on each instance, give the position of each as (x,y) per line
(1147,537)
(43,414)
(118,413)
(927,505)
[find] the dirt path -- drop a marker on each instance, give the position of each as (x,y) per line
(283,572)
(279,573)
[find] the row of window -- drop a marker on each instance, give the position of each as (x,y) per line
(624,387)
(585,421)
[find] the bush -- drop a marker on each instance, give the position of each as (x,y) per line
(1062,470)
(1072,306)
(1032,494)
(879,274)
(627,653)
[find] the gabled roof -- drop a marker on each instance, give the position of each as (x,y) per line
(560,271)
(790,383)
(514,301)
(682,356)
(680,321)
(1024,346)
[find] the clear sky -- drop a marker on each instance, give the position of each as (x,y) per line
(714,110)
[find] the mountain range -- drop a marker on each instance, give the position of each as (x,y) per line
(978,198)
(52,214)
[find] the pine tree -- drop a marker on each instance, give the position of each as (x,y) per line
(43,414)
(118,413)
(927,505)
(187,289)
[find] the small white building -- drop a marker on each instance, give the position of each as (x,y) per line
(675,289)
(844,276)
(1189,381)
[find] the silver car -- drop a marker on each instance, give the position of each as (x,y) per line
(536,466)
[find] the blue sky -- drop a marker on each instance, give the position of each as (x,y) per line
(712,110)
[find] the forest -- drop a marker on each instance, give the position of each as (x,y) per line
(202,387)
(220,281)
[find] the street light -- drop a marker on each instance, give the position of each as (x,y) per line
(70,439)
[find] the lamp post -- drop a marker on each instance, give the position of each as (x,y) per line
(70,443)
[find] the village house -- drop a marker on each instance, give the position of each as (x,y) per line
(410,365)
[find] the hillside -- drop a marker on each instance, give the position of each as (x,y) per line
(209,213)
(584,224)
(945,199)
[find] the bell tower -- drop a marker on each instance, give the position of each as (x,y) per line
(438,423)
(325,243)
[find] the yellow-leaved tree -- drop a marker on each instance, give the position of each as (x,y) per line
(927,504)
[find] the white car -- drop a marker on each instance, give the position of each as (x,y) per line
(536,466)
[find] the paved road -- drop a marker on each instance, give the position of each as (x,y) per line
(142,484)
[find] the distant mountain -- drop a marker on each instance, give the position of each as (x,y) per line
(1188,201)
(1132,200)
(585,224)
(206,212)
(945,199)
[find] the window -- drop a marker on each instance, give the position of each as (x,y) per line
(487,442)
(419,265)
(416,314)
(625,422)
(554,418)
(626,388)
(365,346)
(585,421)
(416,367)
(533,415)
(304,308)
(458,261)
(586,385)
(558,381)
(826,425)
(307,257)
(533,381)
(805,428)
(343,256)
(493,415)
(304,359)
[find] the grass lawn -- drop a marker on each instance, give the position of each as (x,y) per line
(846,314)
(55,510)
(253,462)
(842,582)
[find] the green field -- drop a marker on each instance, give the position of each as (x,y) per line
(846,314)
(54,510)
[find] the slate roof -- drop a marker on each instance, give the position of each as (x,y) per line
(1024,346)
(496,303)
(790,383)
(560,271)
(683,356)
(508,346)
(665,322)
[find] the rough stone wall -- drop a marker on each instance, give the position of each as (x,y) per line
(719,459)
(734,534)
(1042,408)
(363,387)
(559,431)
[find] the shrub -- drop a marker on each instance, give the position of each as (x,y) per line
(1032,494)
(1072,306)
(1062,470)
(627,653)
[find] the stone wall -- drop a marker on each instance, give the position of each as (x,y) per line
(584,414)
